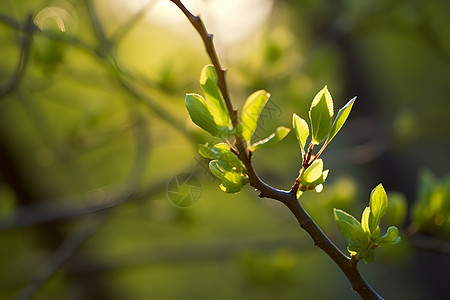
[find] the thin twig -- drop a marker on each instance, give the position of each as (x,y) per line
(98,26)
(346,264)
(25,49)
(54,262)
(43,213)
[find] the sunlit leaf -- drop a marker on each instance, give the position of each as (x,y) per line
(320,114)
(301,130)
(251,111)
(376,233)
(201,115)
(205,151)
(213,96)
(231,180)
(391,237)
(378,206)
(341,117)
(350,228)
(316,184)
(313,172)
(273,139)
(222,151)
(365,219)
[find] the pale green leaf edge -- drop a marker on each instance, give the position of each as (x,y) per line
(301,130)
(280,133)
(251,111)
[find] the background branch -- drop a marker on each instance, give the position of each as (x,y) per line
(25,48)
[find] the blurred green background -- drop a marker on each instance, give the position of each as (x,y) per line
(93,128)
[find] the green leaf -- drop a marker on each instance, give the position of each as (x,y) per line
(231,180)
(301,131)
(313,172)
(378,206)
(201,115)
(205,151)
(214,98)
(320,114)
(365,220)
(316,184)
(376,233)
(340,119)
(391,237)
(226,166)
(222,152)
(320,180)
(273,139)
(355,249)
(251,111)
(365,251)
(350,228)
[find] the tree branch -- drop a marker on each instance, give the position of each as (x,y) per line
(207,39)
(346,264)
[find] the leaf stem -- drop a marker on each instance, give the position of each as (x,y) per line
(320,151)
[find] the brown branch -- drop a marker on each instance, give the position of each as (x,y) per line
(207,39)
(346,264)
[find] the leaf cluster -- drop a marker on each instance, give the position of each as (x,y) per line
(323,128)
(210,114)
(226,166)
(363,237)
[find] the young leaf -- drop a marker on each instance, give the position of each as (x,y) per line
(251,111)
(272,139)
(231,180)
(340,119)
(320,114)
(301,131)
(223,153)
(350,227)
(318,182)
(313,172)
(205,151)
(221,150)
(391,237)
(378,206)
(214,99)
(201,115)
(365,220)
